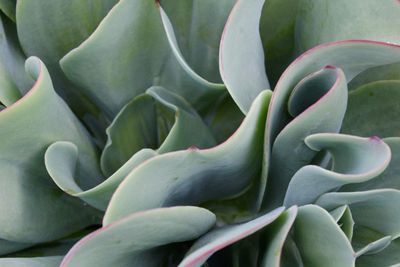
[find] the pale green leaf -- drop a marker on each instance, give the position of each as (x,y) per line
(140,238)
(220,238)
(195,176)
(320,240)
(241,56)
(355,160)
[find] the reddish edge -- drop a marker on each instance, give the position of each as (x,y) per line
(25,97)
(90,236)
(311,51)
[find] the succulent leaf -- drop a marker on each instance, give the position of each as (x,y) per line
(355,160)
(195,176)
(32,199)
(243,83)
(140,238)
(220,238)
(320,240)
(310,103)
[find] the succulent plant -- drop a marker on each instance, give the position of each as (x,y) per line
(199,133)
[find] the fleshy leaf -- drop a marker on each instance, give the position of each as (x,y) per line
(112,79)
(11,56)
(31,262)
(178,54)
(390,178)
(139,239)
(376,209)
(275,238)
(61,159)
(327,21)
(195,176)
(158,120)
(320,240)
(375,246)
(373,110)
(352,56)
(50,29)
(355,160)
(241,56)
(342,215)
(198,27)
(389,256)
(33,208)
(225,119)
(70,25)
(311,103)
(220,238)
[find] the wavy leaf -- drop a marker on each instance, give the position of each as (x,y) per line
(310,103)
(220,238)
(158,120)
(389,178)
(320,240)
(195,176)
(140,238)
(352,56)
(135,64)
(241,46)
(376,209)
(355,160)
(70,25)
(61,159)
(34,210)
